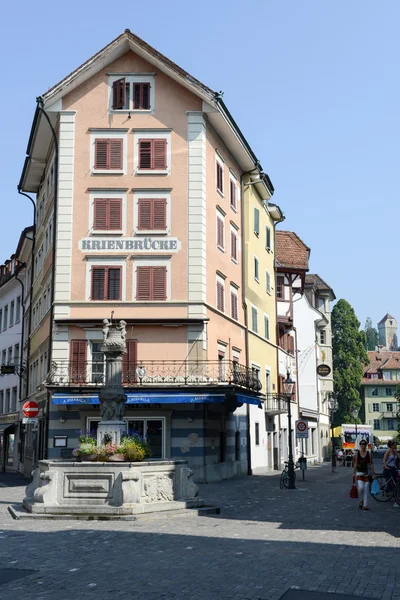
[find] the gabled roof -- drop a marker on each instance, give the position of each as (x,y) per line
(377,362)
(217,113)
(386,318)
(314,280)
(291,252)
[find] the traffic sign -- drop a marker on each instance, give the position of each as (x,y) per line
(30,409)
(301,429)
(30,421)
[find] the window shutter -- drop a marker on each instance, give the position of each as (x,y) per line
(129,362)
(268,278)
(159,213)
(159,277)
(220,232)
(78,361)
(119,93)
(143,283)
(114,283)
(268,238)
(141,96)
(256,221)
(100,220)
(233,193)
(234,306)
(159,154)
(255,268)
(220,182)
(144,213)
(220,296)
(233,245)
(101,154)
(115,161)
(115,218)
(266,328)
(98,281)
(145,154)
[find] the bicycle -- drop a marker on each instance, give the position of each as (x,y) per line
(387,488)
(284,482)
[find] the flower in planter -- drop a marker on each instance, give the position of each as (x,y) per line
(84,448)
(135,448)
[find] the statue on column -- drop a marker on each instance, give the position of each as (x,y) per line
(112,396)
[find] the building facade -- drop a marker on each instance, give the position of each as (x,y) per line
(387,331)
(379,383)
(314,347)
(139,218)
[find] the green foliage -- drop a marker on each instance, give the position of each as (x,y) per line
(135,448)
(371,335)
(349,359)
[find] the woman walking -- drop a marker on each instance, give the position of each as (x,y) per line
(362,461)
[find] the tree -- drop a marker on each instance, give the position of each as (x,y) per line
(349,359)
(372,336)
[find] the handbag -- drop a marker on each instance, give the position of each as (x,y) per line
(354,490)
(375,489)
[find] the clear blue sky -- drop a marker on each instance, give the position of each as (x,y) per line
(313,84)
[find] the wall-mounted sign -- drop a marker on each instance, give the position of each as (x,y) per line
(144,244)
(7,369)
(30,420)
(323,370)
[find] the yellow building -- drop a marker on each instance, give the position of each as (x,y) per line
(260,219)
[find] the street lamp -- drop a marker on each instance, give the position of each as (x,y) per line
(355,415)
(333,406)
(288,388)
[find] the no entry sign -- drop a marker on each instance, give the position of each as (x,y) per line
(301,429)
(30,409)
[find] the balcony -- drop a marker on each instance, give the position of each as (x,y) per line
(156,374)
(389,414)
(276,404)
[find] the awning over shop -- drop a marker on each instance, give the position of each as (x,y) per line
(5,426)
(140,397)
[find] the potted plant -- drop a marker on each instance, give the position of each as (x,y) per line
(115,453)
(135,448)
(85,452)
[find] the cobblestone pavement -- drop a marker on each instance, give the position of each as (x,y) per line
(264,542)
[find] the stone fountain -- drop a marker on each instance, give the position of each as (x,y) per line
(109,489)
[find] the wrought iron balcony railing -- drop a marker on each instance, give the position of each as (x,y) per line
(156,373)
(276,404)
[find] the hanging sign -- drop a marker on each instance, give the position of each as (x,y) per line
(323,370)
(7,369)
(301,429)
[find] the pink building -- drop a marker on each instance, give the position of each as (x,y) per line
(139,217)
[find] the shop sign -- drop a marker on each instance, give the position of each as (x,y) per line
(7,369)
(323,370)
(145,244)
(11,418)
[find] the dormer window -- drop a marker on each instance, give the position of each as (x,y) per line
(132,93)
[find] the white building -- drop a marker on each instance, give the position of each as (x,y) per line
(314,347)
(13,289)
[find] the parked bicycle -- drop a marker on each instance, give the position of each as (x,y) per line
(389,488)
(284,483)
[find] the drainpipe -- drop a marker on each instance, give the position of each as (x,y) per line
(28,347)
(40,103)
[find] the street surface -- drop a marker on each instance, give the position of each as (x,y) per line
(265,542)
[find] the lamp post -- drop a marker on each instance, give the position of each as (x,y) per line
(288,387)
(333,406)
(355,415)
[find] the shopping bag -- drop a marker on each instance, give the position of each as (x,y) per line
(375,489)
(354,491)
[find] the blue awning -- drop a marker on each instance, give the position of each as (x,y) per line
(249,400)
(59,398)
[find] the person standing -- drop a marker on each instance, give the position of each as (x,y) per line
(390,461)
(362,462)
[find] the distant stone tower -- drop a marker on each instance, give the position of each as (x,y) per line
(387,328)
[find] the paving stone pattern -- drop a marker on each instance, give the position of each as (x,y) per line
(265,542)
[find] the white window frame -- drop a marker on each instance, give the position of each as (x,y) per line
(220,160)
(220,279)
(132,78)
(151,134)
(266,317)
(254,308)
(234,179)
(234,229)
(220,215)
(257,233)
(105,261)
(106,193)
(268,281)
(255,258)
(148,193)
(112,134)
(156,261)
(234,290)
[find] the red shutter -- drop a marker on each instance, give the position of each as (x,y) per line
(159,154)
(159,213)
(129,362)
(101,148)
(98,283)
(100,220)
(119,93)
(143,283)
(220,232)
(145,213)
(234,306)
(233,245)
(113,283)
(78,361)
(115,214)
(145,154)
(159,291)
(115,161)
(219,178)
(233,193)
(141,96)
(220,296)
